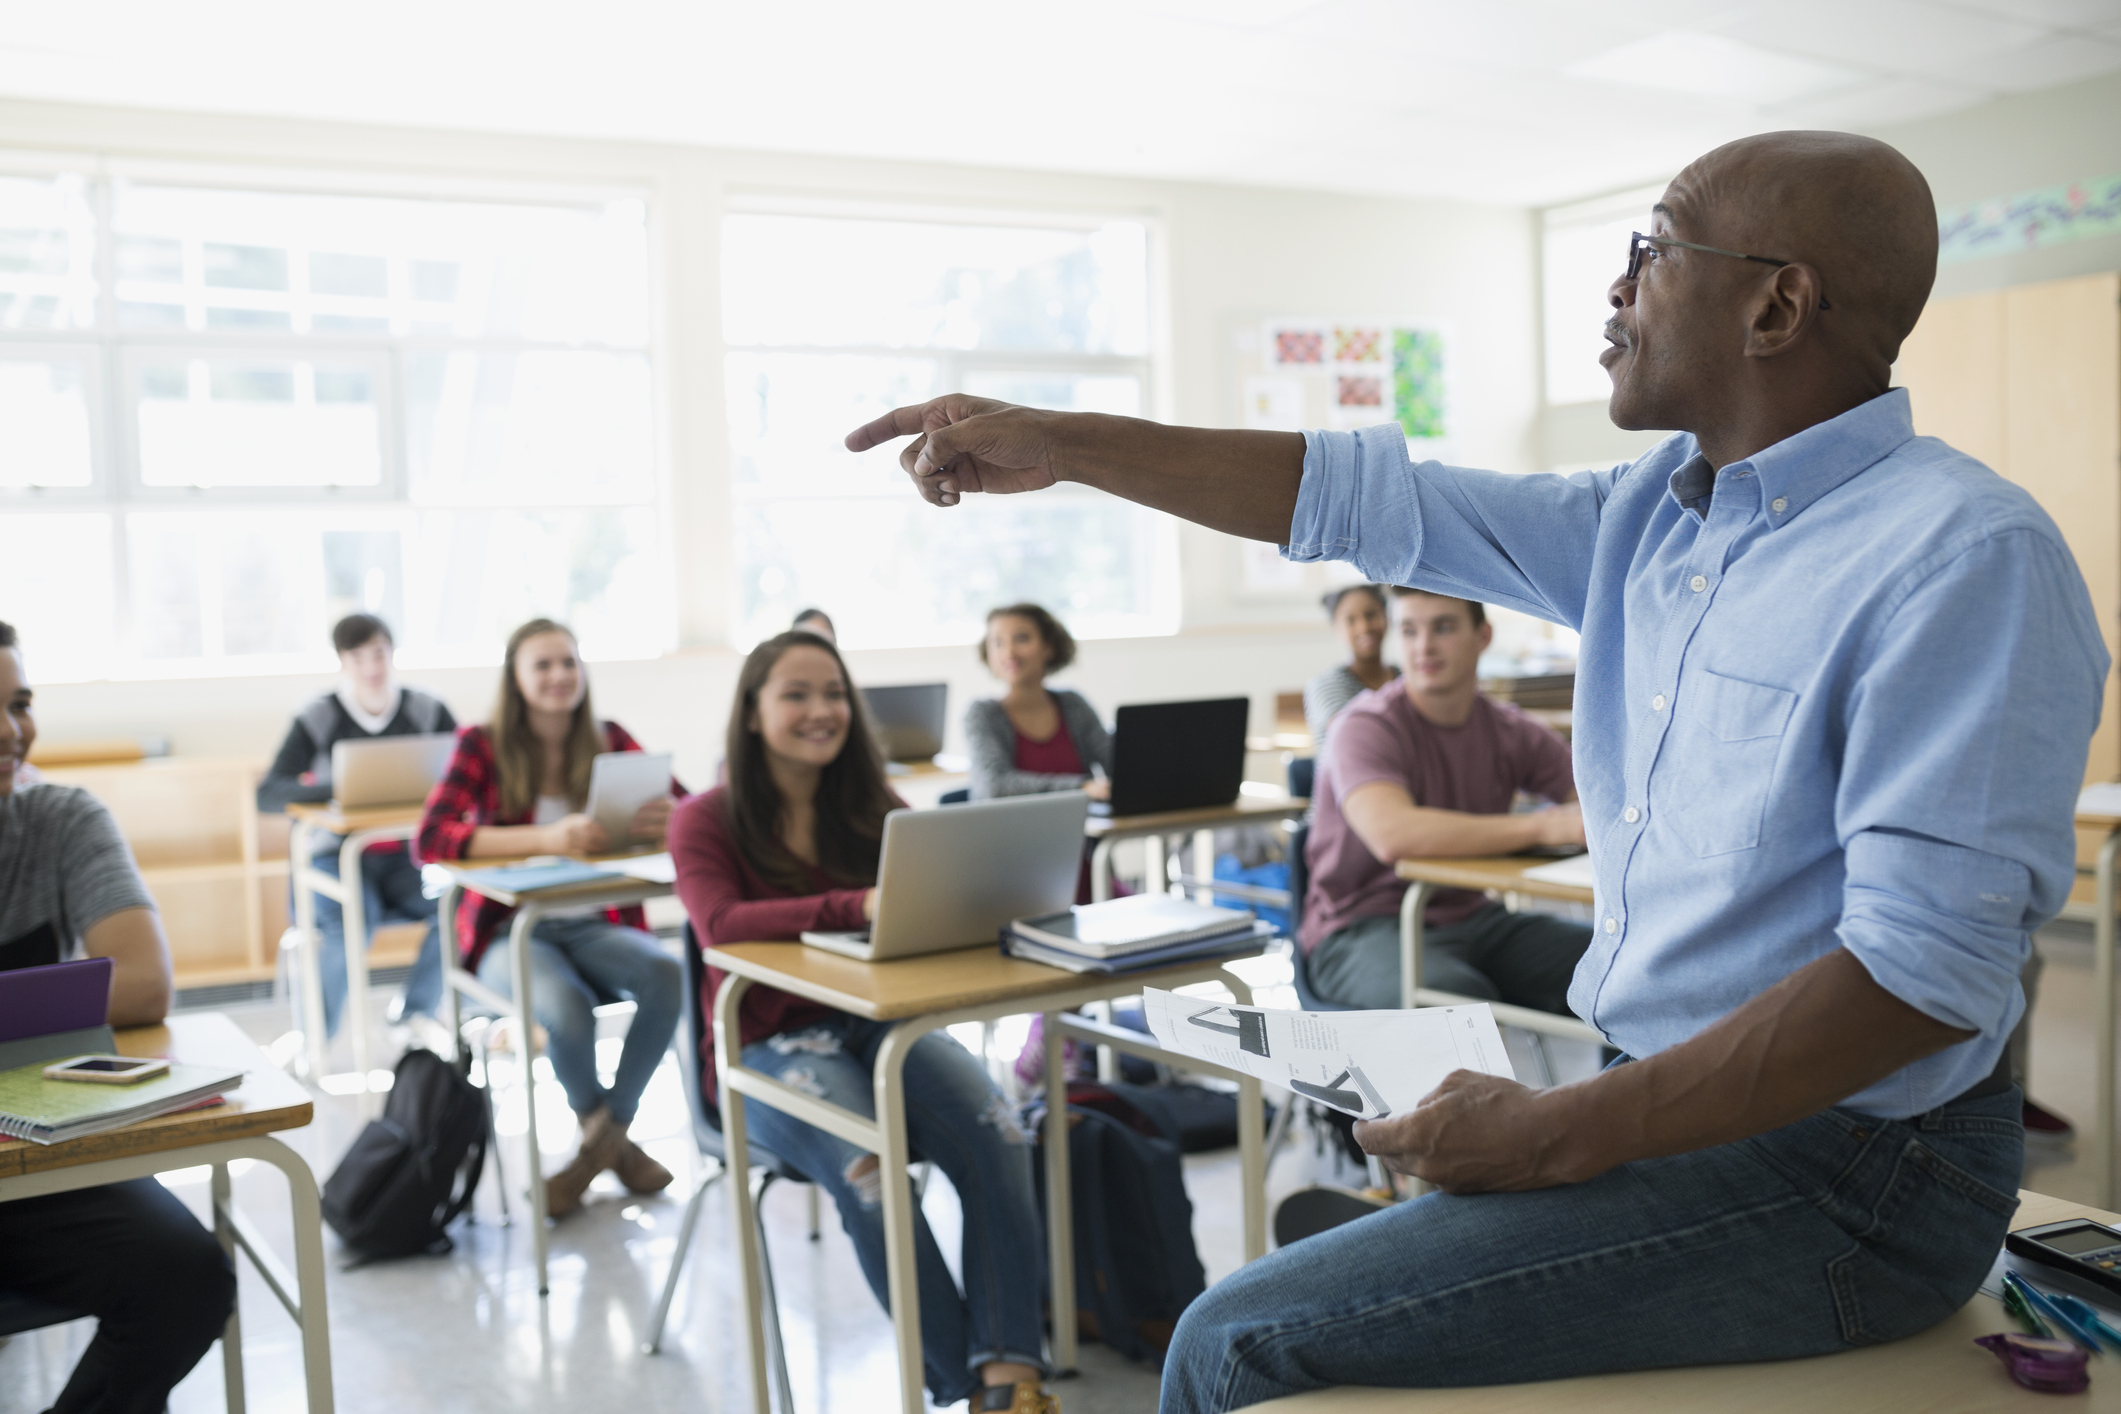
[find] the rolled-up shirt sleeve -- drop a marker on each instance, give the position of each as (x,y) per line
(1521,541)
(1954,807)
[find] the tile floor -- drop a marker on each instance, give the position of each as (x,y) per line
(466,1333)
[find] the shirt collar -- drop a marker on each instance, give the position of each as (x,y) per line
(367,722)
(1799,470)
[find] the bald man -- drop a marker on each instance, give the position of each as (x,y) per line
(1836,689)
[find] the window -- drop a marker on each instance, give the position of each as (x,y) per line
(236,415)
(831,320)
(1584,249)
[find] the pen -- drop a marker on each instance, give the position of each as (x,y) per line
(2087,1316)
(2054,1314)
(2020,1310)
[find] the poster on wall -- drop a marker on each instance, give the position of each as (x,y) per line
(1349,373)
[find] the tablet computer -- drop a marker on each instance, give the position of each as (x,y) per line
(620,783)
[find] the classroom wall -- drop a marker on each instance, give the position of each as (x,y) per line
(1230,258)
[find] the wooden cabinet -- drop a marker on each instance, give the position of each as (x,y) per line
(217,869)
(2029,380)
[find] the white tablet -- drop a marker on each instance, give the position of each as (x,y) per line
(620,783)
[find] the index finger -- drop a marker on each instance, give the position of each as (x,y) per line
(899,422)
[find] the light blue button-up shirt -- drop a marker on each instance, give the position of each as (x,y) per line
(1838,694)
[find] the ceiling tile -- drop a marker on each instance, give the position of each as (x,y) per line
(1713,66)
(2065,14)
(1885,101)
(1887,36)
(2043,65)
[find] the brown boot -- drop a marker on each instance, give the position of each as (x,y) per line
(1023,1397)
(598,1151)
(640,1173)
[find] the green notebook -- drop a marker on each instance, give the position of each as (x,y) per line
(52,1111)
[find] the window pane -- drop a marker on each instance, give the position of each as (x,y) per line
(47,253)
(65,635)
(476,574)
(348,264)
(1580,263)
(788,414)
(903,284)
(258,422)
(899,573)
(529,428)
(44,407)
(1120,394)
(222,585)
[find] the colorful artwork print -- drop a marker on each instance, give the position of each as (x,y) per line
(1300,346)
(1417,382)
(1359,390)
(2030,220)
(1358,345)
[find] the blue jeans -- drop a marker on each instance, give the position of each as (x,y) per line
(390,893)
(958,1121)
(1526,959)
(1837,1231)
(577,964)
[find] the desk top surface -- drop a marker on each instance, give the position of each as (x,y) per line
(267,1100)
(621,890)
(1940,1371)
(921,986)
(1496,872)
(1244,809)
(329,815)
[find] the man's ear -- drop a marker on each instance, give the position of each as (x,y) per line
(1782,311)
(1487,634)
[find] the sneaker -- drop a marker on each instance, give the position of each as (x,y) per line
(1023,1397)
(2044,1122)
(1320,1208)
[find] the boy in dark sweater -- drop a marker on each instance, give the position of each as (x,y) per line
(369,703)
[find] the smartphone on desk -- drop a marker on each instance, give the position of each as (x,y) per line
(107,1070)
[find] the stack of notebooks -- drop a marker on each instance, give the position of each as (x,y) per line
(1134,934)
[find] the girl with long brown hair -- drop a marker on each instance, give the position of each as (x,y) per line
(518,786)
(791,844)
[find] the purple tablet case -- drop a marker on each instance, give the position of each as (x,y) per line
(44,1001)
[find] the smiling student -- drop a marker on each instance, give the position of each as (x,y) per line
(129,1253)
(518,786)
(1359,616)
(790,844)
(368,703)
(1033,738)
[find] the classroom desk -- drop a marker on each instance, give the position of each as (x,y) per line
(925,994)
(1502,874)
(1201,823)
(530,906)
(240,1128)
(2103,988)
(360,829)
(1940,1371)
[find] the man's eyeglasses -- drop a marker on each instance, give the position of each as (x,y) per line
(1637,240)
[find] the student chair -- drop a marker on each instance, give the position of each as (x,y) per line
(959,796)
(765,1168)
(1303,774)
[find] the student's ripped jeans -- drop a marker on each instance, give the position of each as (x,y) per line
(958,1121)
(1837,1231)
(575,964)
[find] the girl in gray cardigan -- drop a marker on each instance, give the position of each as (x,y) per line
(1033,739)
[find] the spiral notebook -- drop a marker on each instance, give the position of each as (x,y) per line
(54,1111)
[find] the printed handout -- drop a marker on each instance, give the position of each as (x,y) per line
(1365,1063)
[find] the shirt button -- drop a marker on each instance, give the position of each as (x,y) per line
(1612,925)
(1657,703)
(1631,814)
(1778,505)
(1698,583)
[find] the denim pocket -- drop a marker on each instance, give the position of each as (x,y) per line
(1729,732)
(1933,1234)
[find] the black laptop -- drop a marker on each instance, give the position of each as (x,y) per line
(1177,756)
(908,721)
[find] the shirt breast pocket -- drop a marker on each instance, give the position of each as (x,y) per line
(1730,732)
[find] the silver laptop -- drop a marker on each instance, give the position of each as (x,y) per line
(952,876)
(908,720)
(388,770)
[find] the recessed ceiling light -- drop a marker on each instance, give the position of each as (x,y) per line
(1713,67)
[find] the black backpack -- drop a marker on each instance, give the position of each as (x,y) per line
(410,1173)
(1136,1268)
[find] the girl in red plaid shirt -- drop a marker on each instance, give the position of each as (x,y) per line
(517,786)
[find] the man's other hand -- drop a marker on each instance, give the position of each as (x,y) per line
(1478,1133)
(963,444)
(1560,824)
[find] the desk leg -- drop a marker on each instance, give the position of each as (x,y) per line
(232,1333)
(1060,1201)
(452,1000)
(353,911)
(2103,983)
(1204,865)
(1101,870)
(310,1006)
(534,1159)
(1251,1143)
(736,1143)
(902,1272)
